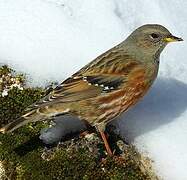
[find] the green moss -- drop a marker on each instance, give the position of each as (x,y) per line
(15,102)
(12,105)
(21,152)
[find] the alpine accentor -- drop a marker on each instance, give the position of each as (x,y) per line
(108,85)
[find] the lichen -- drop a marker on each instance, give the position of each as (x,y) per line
(24,156)
(2,171)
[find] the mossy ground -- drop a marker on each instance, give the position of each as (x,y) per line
(22,153)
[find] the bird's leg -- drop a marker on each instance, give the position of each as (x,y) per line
(105,141)
(84,133)
(89,129)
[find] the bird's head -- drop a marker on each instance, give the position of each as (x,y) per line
(151,38)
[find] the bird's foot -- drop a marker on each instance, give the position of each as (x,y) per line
(84,133)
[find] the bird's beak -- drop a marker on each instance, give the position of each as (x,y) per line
(172,38)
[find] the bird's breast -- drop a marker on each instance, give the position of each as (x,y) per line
(134,88)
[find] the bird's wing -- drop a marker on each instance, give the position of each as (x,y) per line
(83,87)
(103,75)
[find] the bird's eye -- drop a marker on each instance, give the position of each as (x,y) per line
(154,36)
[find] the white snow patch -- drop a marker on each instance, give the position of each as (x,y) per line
(51,39)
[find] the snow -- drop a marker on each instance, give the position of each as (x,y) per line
(61,127)
(51,39)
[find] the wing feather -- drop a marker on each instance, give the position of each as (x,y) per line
(105,74)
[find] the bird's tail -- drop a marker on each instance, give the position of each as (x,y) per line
(31,116)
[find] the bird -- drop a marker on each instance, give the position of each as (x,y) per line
(107,86)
